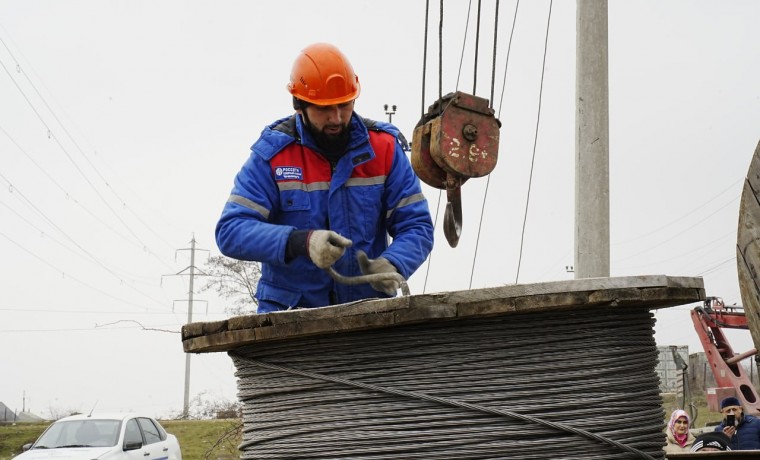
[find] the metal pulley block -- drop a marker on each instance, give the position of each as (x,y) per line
(458,138)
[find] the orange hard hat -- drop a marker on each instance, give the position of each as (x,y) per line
(322,75)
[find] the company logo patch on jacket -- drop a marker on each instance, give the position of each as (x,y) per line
(288,173)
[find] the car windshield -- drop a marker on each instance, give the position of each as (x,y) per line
(80,433)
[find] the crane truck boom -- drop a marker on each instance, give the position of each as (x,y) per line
(709,322)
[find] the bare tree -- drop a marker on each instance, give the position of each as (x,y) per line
(234,280)
(206,406)
(56,413)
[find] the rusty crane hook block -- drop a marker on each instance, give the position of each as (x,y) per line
(458,138)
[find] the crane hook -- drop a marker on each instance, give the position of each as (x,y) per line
(457,139)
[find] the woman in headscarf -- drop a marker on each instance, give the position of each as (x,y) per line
(679,437)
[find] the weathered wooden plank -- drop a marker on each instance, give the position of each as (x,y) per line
(748,247)
(649,292)
(656,295)
(424,313)
(313,314)
(201,329)
(588,284)
(327,325)
(553,300)
(219,341)
(487,307)
(616,296)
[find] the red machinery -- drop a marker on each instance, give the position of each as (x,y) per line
(730,377)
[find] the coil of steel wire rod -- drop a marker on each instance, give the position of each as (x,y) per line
(570,384)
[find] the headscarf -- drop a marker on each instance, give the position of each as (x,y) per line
(680,438)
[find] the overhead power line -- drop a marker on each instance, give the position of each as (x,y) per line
(95,328)
(716,267)
(99,311)
(51,135)
(685,215)
(89,286)
(69,196)
(122,201)
(535,142)
(493,80)
(655,246)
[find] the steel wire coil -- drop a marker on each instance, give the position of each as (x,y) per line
(562,385)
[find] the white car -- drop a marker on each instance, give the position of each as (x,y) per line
(104,437)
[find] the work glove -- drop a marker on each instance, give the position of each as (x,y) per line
(325,247)
(380,265)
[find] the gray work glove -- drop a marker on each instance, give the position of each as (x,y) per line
(380,265)
(325,247)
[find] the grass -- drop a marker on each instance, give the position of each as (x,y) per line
(206,439)
(198,439)
(12,437)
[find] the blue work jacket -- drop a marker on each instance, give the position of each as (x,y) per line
(747,436)
(370,194)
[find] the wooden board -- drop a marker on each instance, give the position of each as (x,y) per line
(748,247)
(650,291)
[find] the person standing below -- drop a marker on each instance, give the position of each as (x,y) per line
(680,438)
(712,441)
(743,430)
(324,188)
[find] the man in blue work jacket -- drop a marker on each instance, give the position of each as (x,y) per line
(742,429)
(324,188)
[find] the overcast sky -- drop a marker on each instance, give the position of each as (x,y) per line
(123,123)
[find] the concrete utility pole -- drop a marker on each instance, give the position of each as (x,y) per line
(190,293)
(186,400)
(592,181)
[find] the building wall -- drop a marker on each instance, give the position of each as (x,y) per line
(700,374)
(6,415)
(671,377)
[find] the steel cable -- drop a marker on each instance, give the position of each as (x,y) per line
(546,385)
(370,278)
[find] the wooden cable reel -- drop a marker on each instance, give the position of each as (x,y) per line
(748,247)
(458,138)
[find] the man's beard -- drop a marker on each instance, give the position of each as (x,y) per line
(333,146)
